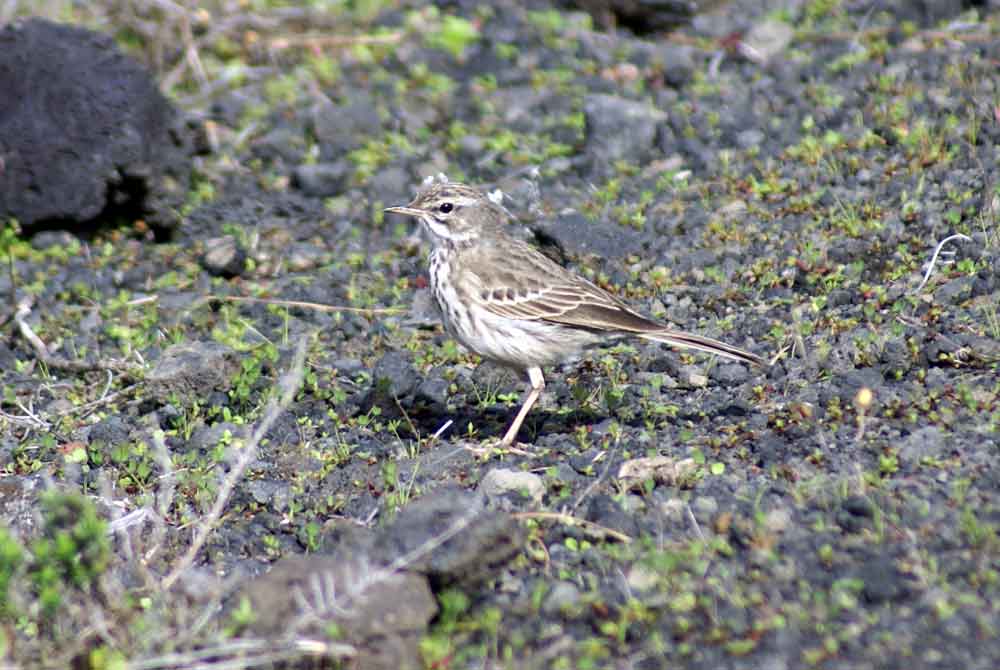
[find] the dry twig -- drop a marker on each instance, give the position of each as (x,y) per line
(316,306)
(593,529)
(937,251)
(58,362)
(289,385)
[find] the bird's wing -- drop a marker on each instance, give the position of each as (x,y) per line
(524,284)
(527,285)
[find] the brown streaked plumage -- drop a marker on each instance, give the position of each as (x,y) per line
(509,303)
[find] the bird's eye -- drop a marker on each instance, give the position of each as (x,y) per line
(445,207)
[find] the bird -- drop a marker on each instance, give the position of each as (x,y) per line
(509,303)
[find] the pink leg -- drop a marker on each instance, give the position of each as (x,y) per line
(537,385)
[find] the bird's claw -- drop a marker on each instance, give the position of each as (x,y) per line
(488,448)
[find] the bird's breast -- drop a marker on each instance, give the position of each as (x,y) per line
(442,274)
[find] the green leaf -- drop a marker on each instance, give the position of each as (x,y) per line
(455,36)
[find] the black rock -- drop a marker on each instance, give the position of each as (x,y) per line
(111,430)
(394,374)
(434,390)
(855,514)
(578,236)
(883,582)
(730,374)
(321,180)
(282,144)
(391,186)
(619,128)
(84,131)
(341,128)
(924,442)
(465,541)
(7,357)
(925,13)
(382,615)
(641,16)
(604,511)
(47,239)
(859,506)
(223,257)
(192,370)
(347,366)
(955,291)
(896,358)
(673,62)
(207,438)
(855,380)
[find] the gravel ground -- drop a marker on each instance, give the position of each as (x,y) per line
(776,174)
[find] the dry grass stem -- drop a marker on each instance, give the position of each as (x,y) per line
(289,386)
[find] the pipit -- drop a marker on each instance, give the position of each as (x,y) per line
(506,301)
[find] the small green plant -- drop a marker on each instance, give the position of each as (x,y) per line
(454,34)
(888,464)
(11,559)
(133,461)
(439,645)
(311,536)
(397,492)
(72,551)
(241,616)
(251,367)
(977,533)
(14,247)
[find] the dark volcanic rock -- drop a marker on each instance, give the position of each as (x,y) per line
(395,374)
(883,582)
(381,613)
(576,234)
(223,257)
(340,128)
(674,61)
(322,180)
(619,128)
(928,12)
(83,130)
(377,588)
(452,537)
(642,16)
(194,369)
(111,430)
(604,511)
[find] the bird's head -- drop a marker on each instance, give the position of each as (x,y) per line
(454,213)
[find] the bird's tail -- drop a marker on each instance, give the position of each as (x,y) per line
(678,338)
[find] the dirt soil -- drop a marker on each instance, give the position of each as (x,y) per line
(246,441)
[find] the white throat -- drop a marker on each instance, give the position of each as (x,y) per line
(440,231)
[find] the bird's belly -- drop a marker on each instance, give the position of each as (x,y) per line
(520,343)
(516,343)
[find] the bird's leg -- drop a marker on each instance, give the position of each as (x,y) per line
(537,385)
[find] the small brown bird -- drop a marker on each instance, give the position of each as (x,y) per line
(509,303)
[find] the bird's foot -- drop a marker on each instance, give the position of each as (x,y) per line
(489,448)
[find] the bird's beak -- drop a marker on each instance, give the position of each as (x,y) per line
(405,211)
